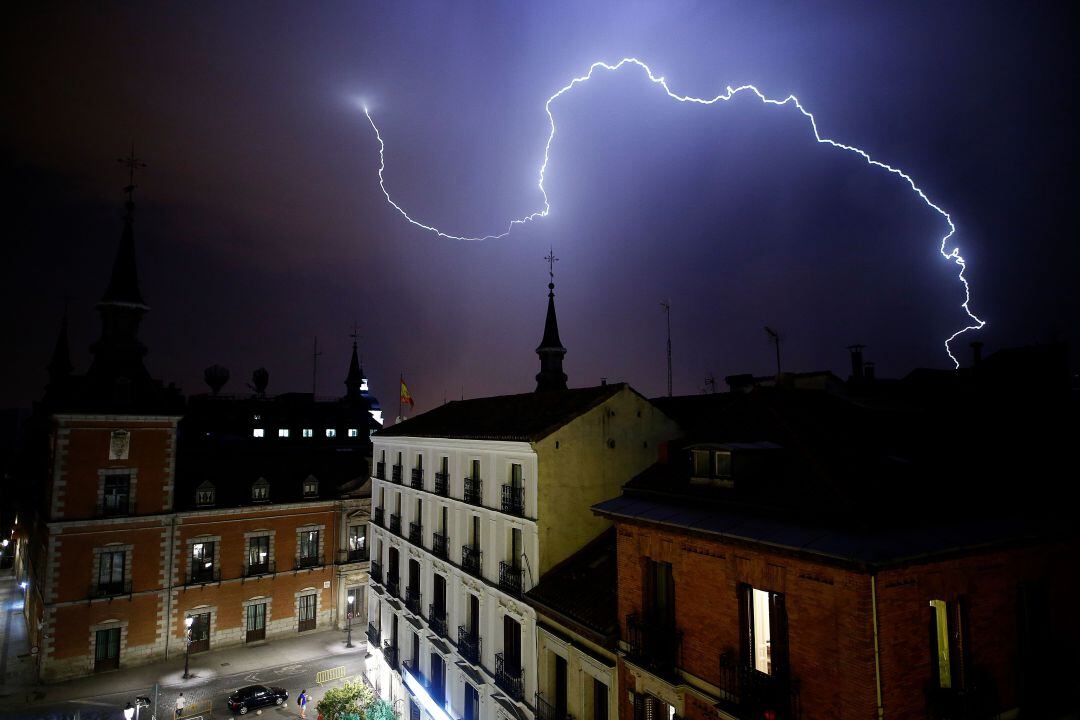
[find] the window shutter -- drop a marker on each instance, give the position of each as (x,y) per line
(639,706)
(935,668)
(746,631)
(779,631)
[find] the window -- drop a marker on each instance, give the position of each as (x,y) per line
(111,572)
(107,649)
(308,432)
(764,631)
(204,494)
(258,432)
(309,546)
(283,432)
(701,463)
(306,613)
(659,589)
(472,703)
(722,459)
(353,432)
(647,707)
(357,542)
(260,490)
(331,432)
(116,494)
(202,562)
(311,486)
(258,555)
(600,700)
(762,644)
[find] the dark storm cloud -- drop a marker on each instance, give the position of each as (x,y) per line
(261,223)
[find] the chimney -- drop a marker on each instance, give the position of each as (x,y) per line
(976,353)
(603,381)
(856,361)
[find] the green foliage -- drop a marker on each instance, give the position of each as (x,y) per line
(380,710)
(348,702)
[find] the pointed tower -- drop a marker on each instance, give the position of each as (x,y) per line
(354,381)
(118,354)
(551,351)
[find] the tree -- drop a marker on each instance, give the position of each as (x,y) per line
(380,710)
(348,702)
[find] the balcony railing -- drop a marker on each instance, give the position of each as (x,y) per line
(470,560)
(266,567)
(513,500)
(395,523)
(654,645)
(442,484)
(380,470)
(111,589)
(468,645)
(416,534)
(372,634)
(412,599)
(393,587)
(473,491)
(308,561)
(510,679)
(510,578)
(440,545)
(202,575)
(353,555)
(750,693)
(547,711)
(395,474)
(379,518)
(437,620)
(416,481)
(375,572)
(390,653)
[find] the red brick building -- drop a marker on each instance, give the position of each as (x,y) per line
(784,562)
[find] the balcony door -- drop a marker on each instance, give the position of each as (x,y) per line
(474,616)
(511,646)
(659,591)
(200,632)
(438,598)
(107,649)
(255,622)
(306,613)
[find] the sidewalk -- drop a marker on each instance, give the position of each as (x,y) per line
(312,651)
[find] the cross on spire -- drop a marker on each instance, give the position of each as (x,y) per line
(132,163)
(355,334)
(551,260)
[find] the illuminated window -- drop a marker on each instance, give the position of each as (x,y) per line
(260,490)
(353,432)
(761,629)
(765,630)
(308,432)
(258,432)
(283,432)
(331,432)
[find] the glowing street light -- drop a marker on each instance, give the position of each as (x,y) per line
(348,640)
(129,712)
(187,645)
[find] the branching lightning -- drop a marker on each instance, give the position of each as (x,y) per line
(948,253)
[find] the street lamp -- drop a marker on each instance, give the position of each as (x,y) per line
(129,712)
(187,645)
(348,641)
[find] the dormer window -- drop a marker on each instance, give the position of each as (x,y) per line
(331,432)
(260,490)
(311,486)
(205,494)
(283,432)
(258,432)
(711,466)
(308,432)
(353,432)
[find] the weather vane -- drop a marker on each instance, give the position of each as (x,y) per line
(132,163)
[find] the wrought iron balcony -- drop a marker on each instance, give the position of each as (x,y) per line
(510,679)
(471,560)
(442,484)
(437,620)
(380,470)
(373,634)
(379,517)
(375,572)
(416,534)
(473,491)
(110,589)
(440,545)
(201,575)
(468,645)
(412,599)
(510,578)
(390,653)
(547,711)
(654,645)
(513,500)
(354,555)
(308,561)
(750,693)
(395,523)
(393,587)
(266,567)
(417,479)
(395,474)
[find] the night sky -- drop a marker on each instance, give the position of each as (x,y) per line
(261,223)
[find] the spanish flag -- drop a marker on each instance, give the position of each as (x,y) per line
(406,398)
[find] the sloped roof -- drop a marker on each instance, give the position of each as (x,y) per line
(527,417)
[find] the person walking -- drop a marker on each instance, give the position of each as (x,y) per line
(179,705)
(302,700)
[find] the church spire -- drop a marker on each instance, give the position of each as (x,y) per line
(551,350)
(354,381)
(124,282)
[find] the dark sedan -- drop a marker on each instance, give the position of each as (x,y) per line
(256,696)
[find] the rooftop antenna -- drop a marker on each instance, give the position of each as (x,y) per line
(314,364)
(775,337)
(666,305)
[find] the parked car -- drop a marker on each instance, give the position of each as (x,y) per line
(256,696)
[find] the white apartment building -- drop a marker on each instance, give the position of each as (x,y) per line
(472,503)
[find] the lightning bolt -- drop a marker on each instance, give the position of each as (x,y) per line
(948,253)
